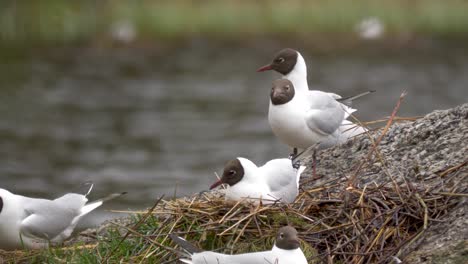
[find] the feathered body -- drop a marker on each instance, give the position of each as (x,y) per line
(34,223)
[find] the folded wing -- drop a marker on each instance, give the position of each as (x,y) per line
(47,219)
(282,178)
(325,115)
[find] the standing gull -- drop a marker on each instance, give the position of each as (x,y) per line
(302,118)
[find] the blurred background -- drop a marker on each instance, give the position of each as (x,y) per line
(153,97)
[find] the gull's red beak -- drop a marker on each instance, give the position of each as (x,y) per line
(216,184)
(265,68)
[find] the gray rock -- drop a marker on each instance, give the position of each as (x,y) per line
(422,151)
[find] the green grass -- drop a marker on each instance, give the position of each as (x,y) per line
(56,21)
(147,240)
(111,248)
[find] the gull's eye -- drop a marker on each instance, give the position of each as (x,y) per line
(232,172)
(279,60)
(281,235)
(287,87)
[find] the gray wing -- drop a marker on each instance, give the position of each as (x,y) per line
(47,219)
(283,179)
(279,172)
(325,114)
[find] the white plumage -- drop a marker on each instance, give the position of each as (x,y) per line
(34,223)
(310,117)
(274,256)
(277,180)
(285,251)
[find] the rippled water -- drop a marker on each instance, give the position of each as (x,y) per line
(154,123)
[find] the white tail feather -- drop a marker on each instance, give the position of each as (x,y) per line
(349,129)
(90,207)
(90,189)
(93,205)
(348,110)
(299,172)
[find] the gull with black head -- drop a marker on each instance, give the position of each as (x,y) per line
(275,181)
(285,250)
(291,65)
(302,118)
(302,121)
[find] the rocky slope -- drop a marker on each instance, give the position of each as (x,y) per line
(430,154)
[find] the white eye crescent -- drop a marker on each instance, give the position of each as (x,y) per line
(279,60)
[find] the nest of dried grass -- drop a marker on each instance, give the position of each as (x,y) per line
(337,223)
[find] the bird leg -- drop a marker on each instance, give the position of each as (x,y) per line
(296,165)
(294,154)
(314,164)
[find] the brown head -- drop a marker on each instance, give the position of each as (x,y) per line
(283,62)
(287,238)
(232,174)
(282,91)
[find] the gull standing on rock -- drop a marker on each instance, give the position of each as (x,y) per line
(34,223)
(302,118)
(277,180)
(285,251)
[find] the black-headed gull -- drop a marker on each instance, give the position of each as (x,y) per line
(322,110)
(35,223)
(302,120)
(277,180)
(292,66)
(285,251)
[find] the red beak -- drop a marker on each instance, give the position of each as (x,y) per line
(265,68)
(216,184)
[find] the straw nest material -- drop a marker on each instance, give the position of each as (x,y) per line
(336,222)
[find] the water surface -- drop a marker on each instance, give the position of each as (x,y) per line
(151,123)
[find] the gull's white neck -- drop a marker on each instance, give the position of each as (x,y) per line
(298,75)
(291,256)
(250,171)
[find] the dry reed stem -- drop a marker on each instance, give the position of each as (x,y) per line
(374,224)
(352,179)
(454,168)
